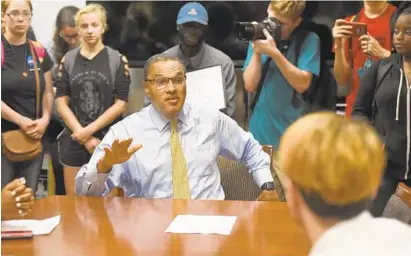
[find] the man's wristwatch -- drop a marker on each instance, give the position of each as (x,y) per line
(268,186)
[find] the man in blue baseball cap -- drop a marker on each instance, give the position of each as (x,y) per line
(192,21)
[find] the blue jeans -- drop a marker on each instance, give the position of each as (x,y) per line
(30,170)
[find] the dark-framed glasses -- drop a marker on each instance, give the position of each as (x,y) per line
(162,82)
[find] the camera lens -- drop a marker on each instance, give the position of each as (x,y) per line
(245,30)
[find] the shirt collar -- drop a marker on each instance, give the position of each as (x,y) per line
(195,61)
(329,236)
(161,122)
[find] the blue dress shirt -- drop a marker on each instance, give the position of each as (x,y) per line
(204,134)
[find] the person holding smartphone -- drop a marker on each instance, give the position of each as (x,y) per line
(354,52)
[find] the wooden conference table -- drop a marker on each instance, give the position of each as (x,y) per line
(124,226)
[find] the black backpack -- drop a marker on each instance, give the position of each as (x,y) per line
(322,93)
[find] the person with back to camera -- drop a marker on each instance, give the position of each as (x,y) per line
(92,83)
(329,191)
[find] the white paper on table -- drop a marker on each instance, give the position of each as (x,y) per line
(206,85)
(38,227)
(202,224)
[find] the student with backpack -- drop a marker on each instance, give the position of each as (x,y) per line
(26,96)
(92,84)
(384,98)
(285,74)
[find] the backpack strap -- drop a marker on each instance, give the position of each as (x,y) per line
(69,59)
(300,38)
(2,54)
(114,59)
(260,83)
(39,49)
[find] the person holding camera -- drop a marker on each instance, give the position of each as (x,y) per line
(275,56)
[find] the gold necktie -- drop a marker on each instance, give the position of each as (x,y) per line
(181,187)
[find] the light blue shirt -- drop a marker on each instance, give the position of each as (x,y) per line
(274,110)
(204,134)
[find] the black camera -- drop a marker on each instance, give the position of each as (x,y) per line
(248,31)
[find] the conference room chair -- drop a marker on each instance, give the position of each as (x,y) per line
(238,183)
(399,205)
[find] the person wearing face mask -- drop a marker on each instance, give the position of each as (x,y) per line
(192,21)
(384,99)
(92,83)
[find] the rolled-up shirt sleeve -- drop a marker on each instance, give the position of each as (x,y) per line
(239,145)
(90,182)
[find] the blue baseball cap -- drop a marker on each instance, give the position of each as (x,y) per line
(192,12)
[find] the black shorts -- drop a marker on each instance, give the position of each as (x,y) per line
(71,152)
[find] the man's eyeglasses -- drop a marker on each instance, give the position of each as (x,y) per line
(162,82)
(15,14)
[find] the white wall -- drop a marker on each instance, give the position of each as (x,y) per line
(44,16)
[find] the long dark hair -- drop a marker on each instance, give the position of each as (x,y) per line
(65,17)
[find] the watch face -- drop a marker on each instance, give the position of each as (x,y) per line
(268,186)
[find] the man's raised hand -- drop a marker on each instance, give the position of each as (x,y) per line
(119,152)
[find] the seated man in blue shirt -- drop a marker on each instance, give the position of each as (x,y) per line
(274,111)
(169,149)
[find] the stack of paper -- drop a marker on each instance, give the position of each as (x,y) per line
(202,224)
(38,227)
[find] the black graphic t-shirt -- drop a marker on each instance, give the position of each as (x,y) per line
(17,90)
(89,87)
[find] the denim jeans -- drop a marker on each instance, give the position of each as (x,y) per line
(30,170)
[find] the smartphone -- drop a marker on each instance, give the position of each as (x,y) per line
(358,29)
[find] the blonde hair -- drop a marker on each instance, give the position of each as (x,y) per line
(288,8)
(96,8)
(340,160)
